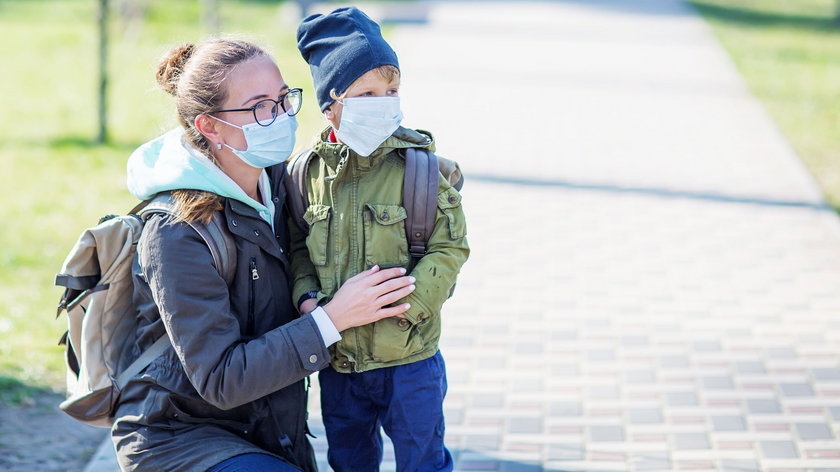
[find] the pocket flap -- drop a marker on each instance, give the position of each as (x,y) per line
(316,213)
(449,198)
(386,214)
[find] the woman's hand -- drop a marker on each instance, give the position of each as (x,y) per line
(365,297)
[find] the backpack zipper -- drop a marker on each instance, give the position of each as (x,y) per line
(255,275)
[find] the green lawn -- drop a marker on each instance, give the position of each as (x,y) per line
(789,53)
(56,181)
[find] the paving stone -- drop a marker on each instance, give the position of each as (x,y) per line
(761,405)
(750,367)
(826,373)
(812,431)
(645,416)
(565,452)
(729,423)
(565,409)
(650,461)
(739,465)
(525,426)
(796,390)
(681,399)
(718,382)
(691,441)
(779,449)
(606,433)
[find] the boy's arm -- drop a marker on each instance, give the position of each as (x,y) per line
(446,252)
(305,277)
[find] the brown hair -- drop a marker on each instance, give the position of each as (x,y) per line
(387,72)
(195,76)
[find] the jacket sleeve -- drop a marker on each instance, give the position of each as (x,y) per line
(193,301)
(446,251)
(305,277)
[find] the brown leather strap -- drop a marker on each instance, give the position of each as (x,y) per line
(420,198)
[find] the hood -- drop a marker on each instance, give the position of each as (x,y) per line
(334,153)
(169,163)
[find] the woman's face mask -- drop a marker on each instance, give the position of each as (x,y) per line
(267,145)
(366,122)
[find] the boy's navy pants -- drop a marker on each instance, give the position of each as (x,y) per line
(405,400)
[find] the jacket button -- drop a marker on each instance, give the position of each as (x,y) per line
(402,322)
(385,217)
(275,199)
(256,232)
(313,359)
(452,199)
(345,364)
(233,222)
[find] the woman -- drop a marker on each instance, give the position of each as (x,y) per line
(230,395)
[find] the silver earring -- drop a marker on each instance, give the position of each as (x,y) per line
(219,146)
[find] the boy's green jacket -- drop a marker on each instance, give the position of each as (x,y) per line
(356,220)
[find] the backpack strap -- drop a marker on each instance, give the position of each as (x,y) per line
(420,198)
(146,358)
(218,239)
(295,183)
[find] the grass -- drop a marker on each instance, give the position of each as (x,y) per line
(55,180)
(789,54)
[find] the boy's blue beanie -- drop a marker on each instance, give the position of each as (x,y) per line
(339,48)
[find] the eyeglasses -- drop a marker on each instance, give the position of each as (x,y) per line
(266,111)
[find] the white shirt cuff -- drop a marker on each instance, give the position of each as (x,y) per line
(329,334)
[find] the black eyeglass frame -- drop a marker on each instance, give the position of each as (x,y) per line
(253,108)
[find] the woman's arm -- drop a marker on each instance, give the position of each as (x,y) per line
(194,305)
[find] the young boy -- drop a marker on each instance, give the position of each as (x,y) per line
(389,373)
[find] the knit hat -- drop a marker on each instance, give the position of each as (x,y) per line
(341,47)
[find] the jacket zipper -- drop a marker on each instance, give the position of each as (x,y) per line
(251,295)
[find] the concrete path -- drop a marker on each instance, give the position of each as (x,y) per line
(653,284)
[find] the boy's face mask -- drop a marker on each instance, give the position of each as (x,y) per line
(366,122)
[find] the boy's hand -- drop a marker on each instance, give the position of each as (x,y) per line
(308,305)
(365,297)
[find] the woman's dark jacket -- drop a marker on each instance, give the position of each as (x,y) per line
(234,382)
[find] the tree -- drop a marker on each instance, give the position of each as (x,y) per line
(102,135)
(210,16)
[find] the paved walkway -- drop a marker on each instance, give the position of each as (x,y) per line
(653,283)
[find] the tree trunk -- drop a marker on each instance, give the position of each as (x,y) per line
(210,16)
(102,136)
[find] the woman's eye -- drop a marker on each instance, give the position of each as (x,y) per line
(259,106)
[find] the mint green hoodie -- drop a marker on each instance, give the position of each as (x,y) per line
(169,163)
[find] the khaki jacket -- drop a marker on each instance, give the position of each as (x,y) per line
(356,219)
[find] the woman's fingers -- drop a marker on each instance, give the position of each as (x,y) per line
(381,275)
(393,284)
(392,311)
(394,295)
(365,273)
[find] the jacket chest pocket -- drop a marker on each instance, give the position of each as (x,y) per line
(318,219)
(385,241)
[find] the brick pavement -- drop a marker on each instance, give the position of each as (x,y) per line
(653,278)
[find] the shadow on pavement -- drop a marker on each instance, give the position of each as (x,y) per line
(650,191)
(753,18)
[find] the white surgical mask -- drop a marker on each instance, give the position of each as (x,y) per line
(366,122)
(267,145)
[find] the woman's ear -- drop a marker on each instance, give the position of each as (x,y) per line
(207,127)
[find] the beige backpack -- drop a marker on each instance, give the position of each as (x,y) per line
(102,318)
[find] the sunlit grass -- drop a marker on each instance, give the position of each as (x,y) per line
(789,54)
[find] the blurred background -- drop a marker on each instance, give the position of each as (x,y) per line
(66,136)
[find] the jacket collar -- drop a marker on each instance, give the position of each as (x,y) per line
(336,155)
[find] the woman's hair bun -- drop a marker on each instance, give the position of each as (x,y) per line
(171,65)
